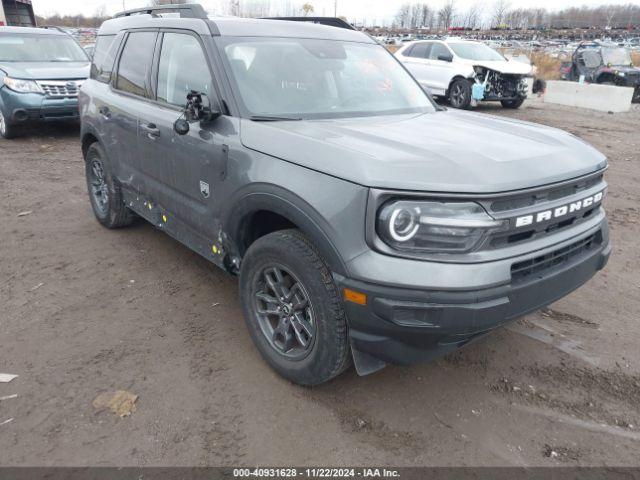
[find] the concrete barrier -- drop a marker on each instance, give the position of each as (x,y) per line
(605,98)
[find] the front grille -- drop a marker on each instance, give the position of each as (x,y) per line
(525,270)
(532,203)
(60,88)
(535,198)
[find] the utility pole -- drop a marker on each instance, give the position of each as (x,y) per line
(335,8)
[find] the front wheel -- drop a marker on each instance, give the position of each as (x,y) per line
(7,130)
(293,310)
(460,94)
(636,95)
(512,103)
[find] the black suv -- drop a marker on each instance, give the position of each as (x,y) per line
(364,221)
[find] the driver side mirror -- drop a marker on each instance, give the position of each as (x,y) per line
(446,58)
(199,108)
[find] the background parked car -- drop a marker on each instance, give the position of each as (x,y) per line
(41,71)
(466,72)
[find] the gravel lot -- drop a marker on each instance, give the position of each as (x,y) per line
(86,311)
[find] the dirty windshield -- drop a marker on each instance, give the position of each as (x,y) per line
(616,56)
(309,78)
(40,48)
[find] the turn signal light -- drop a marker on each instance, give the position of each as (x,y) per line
(355,297)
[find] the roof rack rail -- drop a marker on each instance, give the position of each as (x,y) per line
(329,21)
(53,27)
(186,10)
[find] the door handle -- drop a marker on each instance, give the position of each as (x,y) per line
(151,130)
(105,112)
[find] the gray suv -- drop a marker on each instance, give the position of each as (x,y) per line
(365,223)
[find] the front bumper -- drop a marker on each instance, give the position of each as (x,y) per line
(405,326)
(21,108)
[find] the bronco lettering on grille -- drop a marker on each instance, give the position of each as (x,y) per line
(558,212)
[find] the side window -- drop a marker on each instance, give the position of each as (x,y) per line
(420,50)
(438,49)
(182,68)
(135,61)
(103,57)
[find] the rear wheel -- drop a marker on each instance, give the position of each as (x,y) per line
(7,130)
(292,308)
(104,192)
(512,103)
(460,94)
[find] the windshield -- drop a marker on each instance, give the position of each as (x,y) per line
(308,78)
(40,48)
(475,51)
(616,56)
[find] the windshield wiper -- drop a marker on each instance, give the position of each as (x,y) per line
(269,118)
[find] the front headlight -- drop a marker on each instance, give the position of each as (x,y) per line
(22,86)
(435,227)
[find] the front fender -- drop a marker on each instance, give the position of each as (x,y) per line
(273,198)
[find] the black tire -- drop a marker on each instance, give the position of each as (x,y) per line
(512,103)
(459,94)
(7,129)
(327,353)
(104,192)
(636,95)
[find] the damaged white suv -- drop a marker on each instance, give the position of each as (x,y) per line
(466,72)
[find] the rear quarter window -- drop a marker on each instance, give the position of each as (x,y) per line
(103,57)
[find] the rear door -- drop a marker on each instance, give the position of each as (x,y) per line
(130,94)
(183,171)
(416,59)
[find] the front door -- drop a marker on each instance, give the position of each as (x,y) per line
(184,171)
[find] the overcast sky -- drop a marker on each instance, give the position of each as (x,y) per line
(378,11)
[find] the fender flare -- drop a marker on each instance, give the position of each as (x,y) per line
(272,198)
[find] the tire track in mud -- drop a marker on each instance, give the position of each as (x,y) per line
(592,394)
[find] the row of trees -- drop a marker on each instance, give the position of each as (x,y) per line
(501,15)
(244,8)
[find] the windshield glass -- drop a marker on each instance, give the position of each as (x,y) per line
(475,51)
(616,56)
(40,48)
(309,78)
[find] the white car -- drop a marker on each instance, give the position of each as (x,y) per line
(466,72)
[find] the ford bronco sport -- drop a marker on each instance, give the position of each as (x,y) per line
(364,221)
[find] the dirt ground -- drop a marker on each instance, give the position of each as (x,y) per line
(84,311)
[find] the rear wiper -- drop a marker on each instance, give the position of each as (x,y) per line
(268,118)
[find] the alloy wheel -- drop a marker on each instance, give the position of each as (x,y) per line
(457,95)
(3,124)
(284,312)
(98,186)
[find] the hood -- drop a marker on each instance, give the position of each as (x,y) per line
(46,70)
(501,66)
(451,151)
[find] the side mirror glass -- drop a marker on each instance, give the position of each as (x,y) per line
(445,58)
